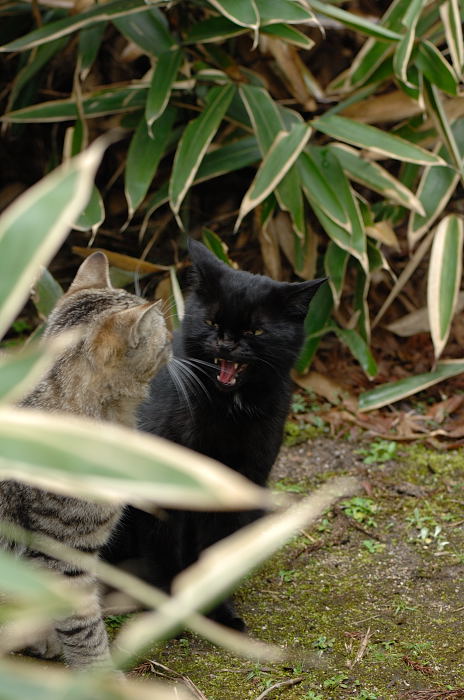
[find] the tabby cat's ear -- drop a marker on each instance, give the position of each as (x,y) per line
(298,295)
(207,268)
(142,321)
(92,274)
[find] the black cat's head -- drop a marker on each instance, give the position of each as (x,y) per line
(249,326)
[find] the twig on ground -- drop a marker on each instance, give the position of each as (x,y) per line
(422,668)
(361,650)
(280,684)
(433,694)
(165,672)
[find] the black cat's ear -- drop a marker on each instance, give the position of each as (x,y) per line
(298,296)
(207,268)
(92,274)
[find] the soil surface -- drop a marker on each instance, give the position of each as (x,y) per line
(370,601)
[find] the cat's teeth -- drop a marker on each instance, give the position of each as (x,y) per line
(216,360)
(235,365)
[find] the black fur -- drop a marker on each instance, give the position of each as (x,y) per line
(238,424)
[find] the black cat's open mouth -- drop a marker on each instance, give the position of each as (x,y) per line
(228,371)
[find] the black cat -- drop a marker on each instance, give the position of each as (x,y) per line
(226,395)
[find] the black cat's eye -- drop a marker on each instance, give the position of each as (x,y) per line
(258,331)
(211,323)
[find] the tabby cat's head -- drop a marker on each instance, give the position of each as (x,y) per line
(118,332)
(249,326)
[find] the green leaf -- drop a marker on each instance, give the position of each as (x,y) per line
(288,34)
(46,293)
(36,62)
(241,12)
(195,140)
(89,44)
(213,29)
(143,157)
(435,189)
(267,122)
(358,348)
(333,172)
(288,11)
(438,71)
(148,30)
(404,49)
(438,114)
(375,140)
(96,104)
(315,323)
(73,455)
(395,391)
(93,214)
(164,76)
(373,176)
(451,17)
(89,18)
(278,160)
(318,190)
(444,278)
(34,226)
(335,262)
(19,371)
(216,246)
(355,22)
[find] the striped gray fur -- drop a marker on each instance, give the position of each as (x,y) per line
(121,343)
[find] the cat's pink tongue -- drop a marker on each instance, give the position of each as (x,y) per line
(227,373)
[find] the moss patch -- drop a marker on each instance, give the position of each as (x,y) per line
(390,583)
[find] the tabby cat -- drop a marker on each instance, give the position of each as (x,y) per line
(121,343)
(226,394)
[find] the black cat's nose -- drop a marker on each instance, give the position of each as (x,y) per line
(226,343)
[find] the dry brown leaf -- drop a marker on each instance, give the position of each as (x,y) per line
(269,243)
(124,262)
(382,231)
(292,69)
(418,321)
(323,386)
(283,227)
(391,107)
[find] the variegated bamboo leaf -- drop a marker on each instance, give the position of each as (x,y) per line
(358,348)
(319,190)
(194,142)
(275,11)
(435,67)
(164,75)
(404,49)
(93,214)
(34,226)
(386,394)
(88,18)
(355,22)
(148,30)
(438,114)
(444,279)
(278,160)
(335,262)
(315,324)
(451,17)
(373,176)
(375,140)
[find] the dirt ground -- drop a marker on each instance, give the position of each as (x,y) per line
(370,600)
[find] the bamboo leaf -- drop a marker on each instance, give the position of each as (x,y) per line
(213,29)
(451,17)
(386,394)
(89,18)
(164,76)
(404,49)
(46,293)
(355,22)
(438,114)
(194,142)
(89,44)
(358,348)
(276,11)
(241,12)
(278,160)
(315,323)
(335,262)
(319,190)
(144,154)
(148,30)
(97,104)
(74,456)
(435,189)
(375,140)
(436,68)
(20,371)
(373,176)
(93,214)
(34,226)
(444,278)
(216,246)
(289,34)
